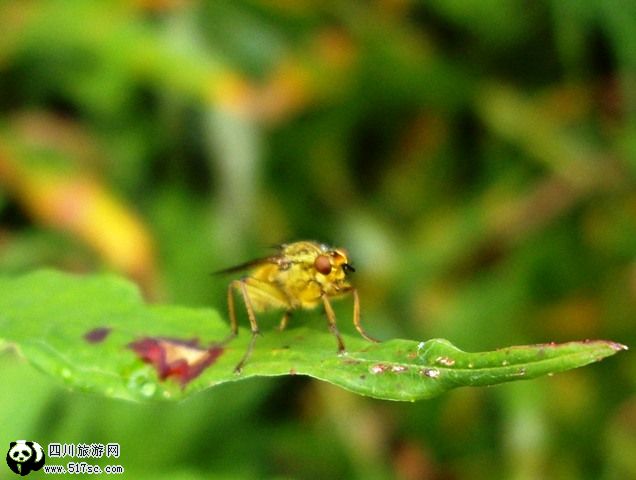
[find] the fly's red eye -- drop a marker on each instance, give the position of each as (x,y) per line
(322,264)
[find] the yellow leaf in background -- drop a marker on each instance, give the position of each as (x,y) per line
(75,201)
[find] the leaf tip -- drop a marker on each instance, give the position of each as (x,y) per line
(617,346)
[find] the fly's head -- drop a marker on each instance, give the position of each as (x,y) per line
(327,266)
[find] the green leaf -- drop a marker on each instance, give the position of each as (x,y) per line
(82,329)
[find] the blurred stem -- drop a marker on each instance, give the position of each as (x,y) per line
(525,430)
(360,429)
(234,146)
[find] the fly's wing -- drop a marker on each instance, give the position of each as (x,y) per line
(246,265)
(257,262)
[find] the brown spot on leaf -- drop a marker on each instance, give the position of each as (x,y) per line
(182,359)
(379,368)
(430,372)
(350,361)
(399,368)
(97,335)
(446,361)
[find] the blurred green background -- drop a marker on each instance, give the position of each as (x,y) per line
(477,159)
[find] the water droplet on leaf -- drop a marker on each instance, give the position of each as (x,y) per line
(148,389)
(142,384)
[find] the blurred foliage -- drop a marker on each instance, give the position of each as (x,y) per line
(477,158)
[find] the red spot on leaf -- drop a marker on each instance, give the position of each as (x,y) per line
(182,359)
(97,335)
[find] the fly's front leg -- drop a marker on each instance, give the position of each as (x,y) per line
(331,319)
(356,317)
(242,287)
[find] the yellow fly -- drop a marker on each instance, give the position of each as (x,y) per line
(300,275)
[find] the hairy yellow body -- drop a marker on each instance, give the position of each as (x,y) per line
(301,275)
(293,281)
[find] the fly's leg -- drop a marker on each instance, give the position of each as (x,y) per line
(284,320)
(331,319)
(241,285)
(356,318)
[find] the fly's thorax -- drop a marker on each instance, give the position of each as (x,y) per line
(313,269)
(301,252)
(268,273)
